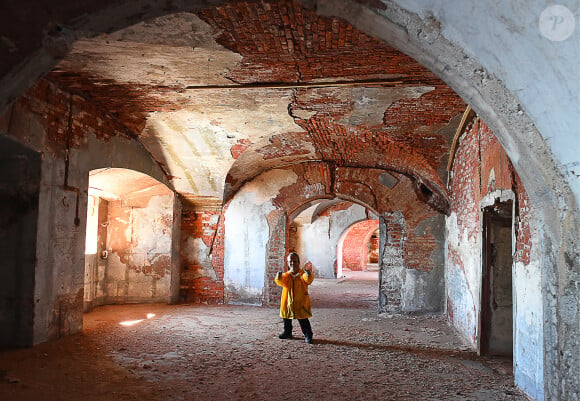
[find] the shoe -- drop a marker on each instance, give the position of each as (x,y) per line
(285,336)
(308,340)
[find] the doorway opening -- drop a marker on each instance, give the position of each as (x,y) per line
(19,195)
(129,256)
(358,248)
(339,240)
(496,337)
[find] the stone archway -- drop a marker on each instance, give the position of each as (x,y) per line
(316,233)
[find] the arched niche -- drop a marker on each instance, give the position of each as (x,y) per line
(131,229)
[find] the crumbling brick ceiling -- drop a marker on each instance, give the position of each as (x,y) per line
(199,90)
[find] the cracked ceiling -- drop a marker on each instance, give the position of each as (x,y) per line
(222,95)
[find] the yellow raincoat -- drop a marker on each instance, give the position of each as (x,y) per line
(295,303)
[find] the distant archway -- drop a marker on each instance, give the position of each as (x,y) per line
(353,247)
(317,231)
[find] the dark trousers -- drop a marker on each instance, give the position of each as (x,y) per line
(304,325)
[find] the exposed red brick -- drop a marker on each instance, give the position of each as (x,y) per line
(417,251)
(407,118)
(290,144)
(240,147)
(67,118)
(356,246)
(336,208)
(202,225)
(281,41)
(478,154)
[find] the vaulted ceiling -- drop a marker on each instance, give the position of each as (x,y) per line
(221,95)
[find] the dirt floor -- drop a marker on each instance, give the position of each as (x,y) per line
(198,352)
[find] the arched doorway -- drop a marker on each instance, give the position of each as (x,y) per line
(317,234)
(129,255)
(359,246)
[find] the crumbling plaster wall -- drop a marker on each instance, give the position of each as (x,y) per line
(411,272)
(59,273)
(73,137)
(247,233)
(95,249)
(529,317)
(139,245)
(391,262)
(317,242)
(482,173)
(202,255)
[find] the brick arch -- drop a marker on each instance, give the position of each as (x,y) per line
(307,182)
(48,42)
(302,184)
(390,155)
(354,242)
(318,180)
(313,182)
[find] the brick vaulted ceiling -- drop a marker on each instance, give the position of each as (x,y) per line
(219,96)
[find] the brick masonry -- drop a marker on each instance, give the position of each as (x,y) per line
(282,42)
(67,118)
(480,167)
(356,245)
(202,267)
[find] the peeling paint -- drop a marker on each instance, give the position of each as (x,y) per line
(268,185)
(138,265)
(369,104)
(463,272)
(196,253)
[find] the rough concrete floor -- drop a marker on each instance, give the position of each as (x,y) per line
(195,352)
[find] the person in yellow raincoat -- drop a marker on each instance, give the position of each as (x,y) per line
(295,302)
